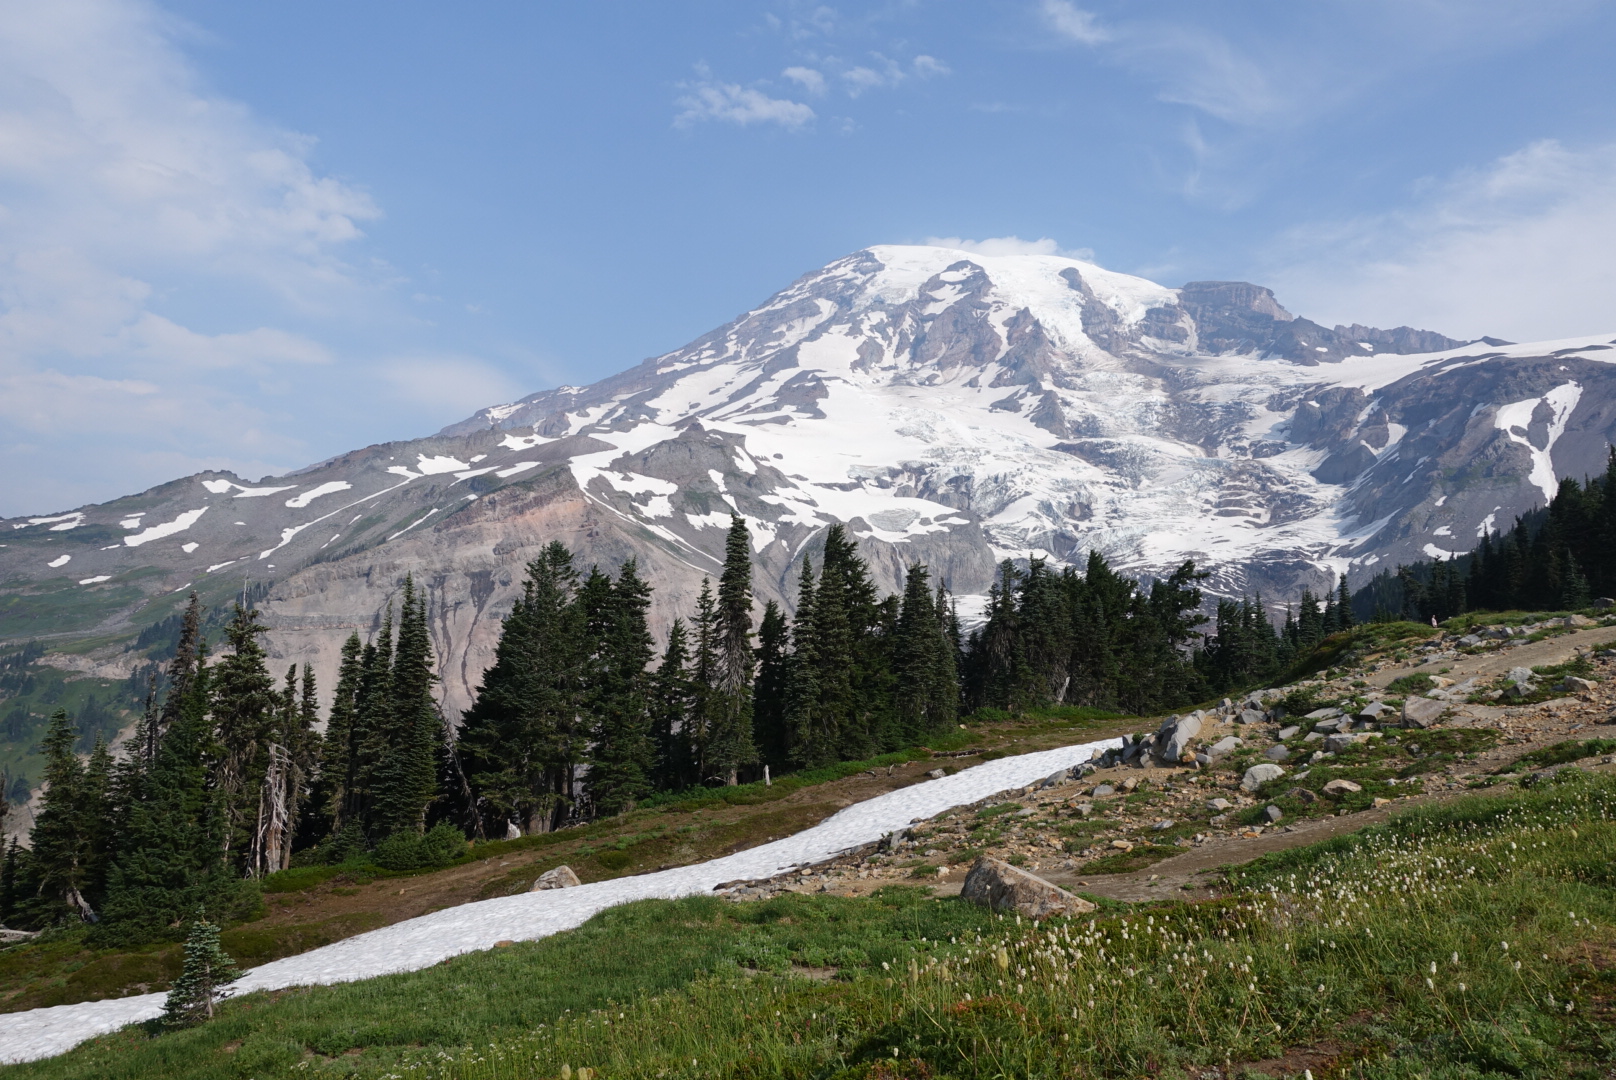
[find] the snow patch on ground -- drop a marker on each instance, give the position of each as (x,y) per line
(298,502)
(168,528)
(59,561)
(430,939)
(95,580)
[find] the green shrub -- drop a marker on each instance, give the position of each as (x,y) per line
(439,846)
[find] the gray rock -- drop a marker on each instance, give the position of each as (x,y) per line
(1334,744)
(1373,711)
(1277,752)
(1103,790)
(1163,825)
(1303,795)
(1226,745)
(1573,685)
(1516,691)
(1337,788)
(561,877)
(1273,813)
(1084,809)
(1519,675)
(998,885)
(1219,805)
(1258,775)
(1419,712)
(1604,603)
(936,774)
(1323,714)
(1470,641)
(1250,716)
(1324,727)
(1178,738)
(1288,732)
(1313,736)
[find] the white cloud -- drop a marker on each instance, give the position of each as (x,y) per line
(1524,248)
(928,66)
(132,195)
(809,79)
(1073,22)
(708,99)
(1010,245)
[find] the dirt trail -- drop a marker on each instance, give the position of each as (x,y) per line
(1554,650)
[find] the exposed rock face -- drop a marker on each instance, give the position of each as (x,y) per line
(951,408)
(1002,887)
(562,877)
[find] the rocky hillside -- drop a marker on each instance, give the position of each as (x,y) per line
(952,408)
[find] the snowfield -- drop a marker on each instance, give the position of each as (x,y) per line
(420,943)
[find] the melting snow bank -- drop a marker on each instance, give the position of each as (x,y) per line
(422,942)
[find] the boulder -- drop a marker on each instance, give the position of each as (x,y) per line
(1470,641)
(1574,685)
(1288,733)
(561,877)
(1334,744)
(1604,603)
(1258,775)
(1324,727)
(1277,752)
(1516,691)
(1103,790)
(1273,813)
(1577,620)
(1226,745)
(1177,738)
(1219,805)
(1250,716)
(1373,711)
(1303,795)
(1002,887)
(936,774)
(1419,712)
(1163,825)
(1338,788)
(1323,714)
(1520,675)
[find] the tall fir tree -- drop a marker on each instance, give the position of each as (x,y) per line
(339,749)
(201,986)
(670,696)
(729,736)
(923,663)
(522,739)
(406,768)
(769,733)
(622,760)
(66,826)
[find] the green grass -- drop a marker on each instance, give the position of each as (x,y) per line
(1330,946)
(1560,754)
(1410,684)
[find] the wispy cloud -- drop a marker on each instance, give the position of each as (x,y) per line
(1073,22)
(1524,248)
(810,80)
(707,99)
(1010,245)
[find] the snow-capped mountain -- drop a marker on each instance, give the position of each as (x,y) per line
(951,408)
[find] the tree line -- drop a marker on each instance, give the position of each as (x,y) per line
(226,777)
(1558,558)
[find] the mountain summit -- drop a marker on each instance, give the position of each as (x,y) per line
(952,408)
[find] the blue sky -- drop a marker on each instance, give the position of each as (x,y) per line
(253,235)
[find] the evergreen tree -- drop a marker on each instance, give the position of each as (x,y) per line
(244,707)
(1343,604)
(208,970)
(923,662)
(522,738)
(406,761)
(10,895)
(65,828)
(670,697)
(812,738)
(623,757)
(729,735)
(339,750)
(769,732)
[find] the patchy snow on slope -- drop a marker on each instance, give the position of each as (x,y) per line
(1515,419)
(298,502)
(168,528)
(430,939)
(95,580)
(59,561)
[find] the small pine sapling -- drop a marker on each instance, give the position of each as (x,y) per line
(200,987)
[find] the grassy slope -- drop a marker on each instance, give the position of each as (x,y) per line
(1320,960)
(310,907)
